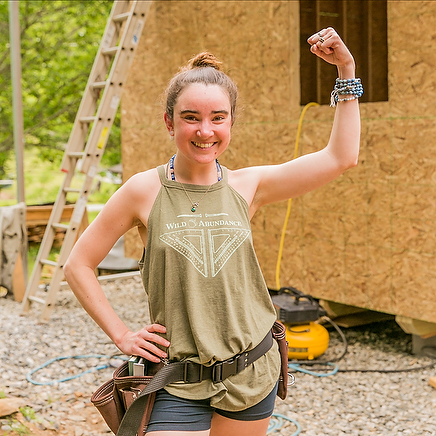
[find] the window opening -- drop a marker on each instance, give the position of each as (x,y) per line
(362,25)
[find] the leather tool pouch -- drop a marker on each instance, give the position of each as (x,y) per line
(279,333)
(114,397)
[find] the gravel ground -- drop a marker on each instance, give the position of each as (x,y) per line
(360,403)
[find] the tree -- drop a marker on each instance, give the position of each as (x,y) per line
(59,41)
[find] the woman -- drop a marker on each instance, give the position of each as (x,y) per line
(208,300)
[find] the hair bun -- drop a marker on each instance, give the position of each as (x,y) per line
(203,60)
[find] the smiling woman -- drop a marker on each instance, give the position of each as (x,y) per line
(201,129)
(208,300)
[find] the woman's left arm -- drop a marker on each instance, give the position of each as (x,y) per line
(345,135)
(280,182)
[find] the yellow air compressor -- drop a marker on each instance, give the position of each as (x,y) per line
(306,341)
(298,312)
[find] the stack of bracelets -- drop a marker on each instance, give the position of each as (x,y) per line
(352,88)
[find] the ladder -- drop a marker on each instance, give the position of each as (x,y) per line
(86,143)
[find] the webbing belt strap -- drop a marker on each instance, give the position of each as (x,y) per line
(189,372)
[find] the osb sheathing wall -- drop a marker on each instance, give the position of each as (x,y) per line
(366,239)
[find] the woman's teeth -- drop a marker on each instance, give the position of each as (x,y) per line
(203,145)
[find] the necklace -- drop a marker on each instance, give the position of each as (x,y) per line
(194,204)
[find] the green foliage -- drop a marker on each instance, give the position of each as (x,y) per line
(43,182)
(59,41)
(28,413)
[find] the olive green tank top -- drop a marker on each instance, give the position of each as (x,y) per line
(204,284)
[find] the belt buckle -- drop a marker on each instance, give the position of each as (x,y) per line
(224,369)
(185,372)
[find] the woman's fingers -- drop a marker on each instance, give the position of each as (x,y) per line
(142,343)
(320,37)
(149,336)
(326,40)
(328,45)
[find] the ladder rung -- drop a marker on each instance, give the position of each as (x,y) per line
(121,17)
(110,51)
(87,119)
(36,299)
(72,190)
(61,226)
(48,262)
(75,153)
(98,85)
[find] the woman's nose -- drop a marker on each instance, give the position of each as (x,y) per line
(205,130)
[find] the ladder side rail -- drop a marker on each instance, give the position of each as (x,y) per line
(67,245)
(46,244)
(88,104)
(115,84)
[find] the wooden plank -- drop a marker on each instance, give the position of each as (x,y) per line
(18,280)
(39,215)
(362,318)
(417,327)
(37,218)
(432,381)
(83,224)
(334,310)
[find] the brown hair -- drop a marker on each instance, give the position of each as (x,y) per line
(204,68)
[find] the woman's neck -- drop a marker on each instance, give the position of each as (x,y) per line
(195,173)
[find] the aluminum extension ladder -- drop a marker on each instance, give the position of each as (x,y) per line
(87,141)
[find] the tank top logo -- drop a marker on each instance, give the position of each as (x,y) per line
(207,249)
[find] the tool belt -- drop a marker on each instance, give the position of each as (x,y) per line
(190,372)
(125,402)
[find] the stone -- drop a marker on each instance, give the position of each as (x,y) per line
(8,406)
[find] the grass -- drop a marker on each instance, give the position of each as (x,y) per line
(28,413)
(32,253)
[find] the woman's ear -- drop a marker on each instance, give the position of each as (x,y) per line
(169,124)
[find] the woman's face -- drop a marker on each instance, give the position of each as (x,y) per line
(201,122)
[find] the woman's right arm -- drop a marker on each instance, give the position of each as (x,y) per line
(124,210)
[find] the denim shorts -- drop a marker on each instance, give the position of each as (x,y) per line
(171,413)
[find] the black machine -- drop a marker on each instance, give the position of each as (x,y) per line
(299,312)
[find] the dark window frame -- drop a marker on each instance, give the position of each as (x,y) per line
(362,24)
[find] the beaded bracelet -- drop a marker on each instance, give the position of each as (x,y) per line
(349,87)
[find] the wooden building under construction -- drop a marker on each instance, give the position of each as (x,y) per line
(368,239)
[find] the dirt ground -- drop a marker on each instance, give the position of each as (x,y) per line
(91,423)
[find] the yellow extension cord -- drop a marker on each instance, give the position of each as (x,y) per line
(288,212)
